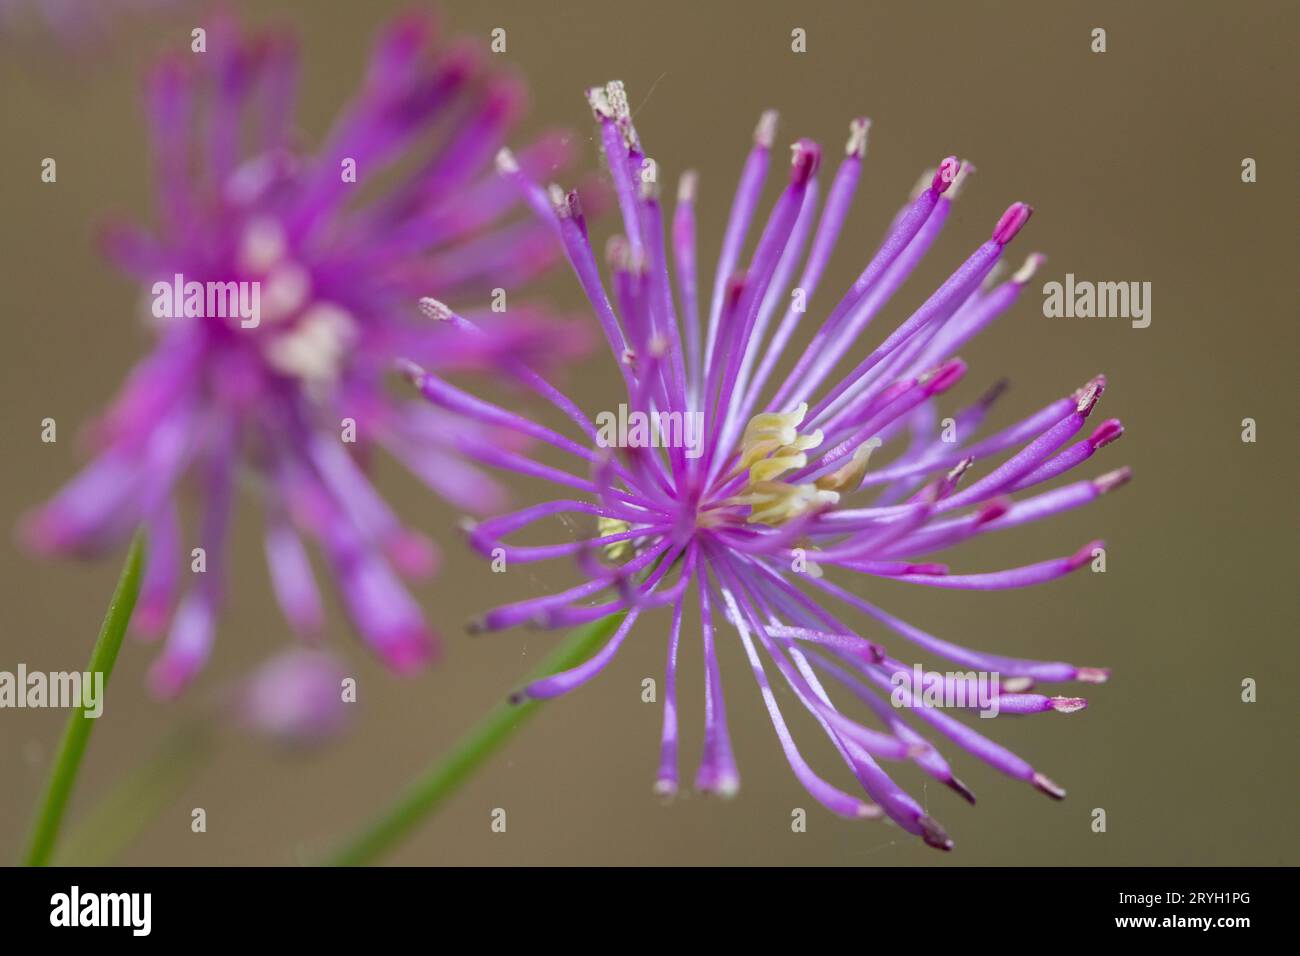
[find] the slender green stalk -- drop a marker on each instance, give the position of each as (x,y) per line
(76,734)
(114,823)
(484,739)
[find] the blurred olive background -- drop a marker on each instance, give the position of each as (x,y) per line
(1132,159)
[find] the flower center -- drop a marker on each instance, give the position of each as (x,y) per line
(772,446)
(306,338)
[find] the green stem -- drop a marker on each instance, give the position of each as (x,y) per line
(442,779)
(76,734)
(113,824)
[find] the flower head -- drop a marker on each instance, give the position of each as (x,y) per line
(284,287)
(799,481)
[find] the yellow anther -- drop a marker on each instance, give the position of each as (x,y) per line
(772,424)
(617,551)
(849,475)
(775,502)
(773,435)
(783,445)
(771,467)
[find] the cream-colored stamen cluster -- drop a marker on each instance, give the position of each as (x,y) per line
(770,447)
(312,337)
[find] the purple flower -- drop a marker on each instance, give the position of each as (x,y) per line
(296,699)
(778,495)
(284,285)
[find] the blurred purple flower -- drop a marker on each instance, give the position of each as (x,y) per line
(330,267)
(754,511)
(75,24)
(295,698)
